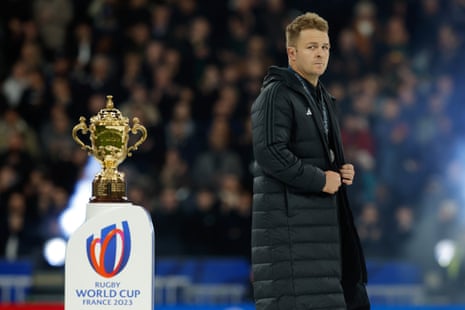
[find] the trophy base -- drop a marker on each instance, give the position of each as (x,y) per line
(108,191)
(108,199)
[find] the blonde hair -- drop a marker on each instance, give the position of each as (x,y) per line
(302,22)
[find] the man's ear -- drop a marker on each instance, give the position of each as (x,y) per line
(291,52)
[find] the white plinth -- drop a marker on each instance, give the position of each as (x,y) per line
(110,259)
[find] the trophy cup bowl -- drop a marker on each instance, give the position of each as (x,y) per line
(109,135)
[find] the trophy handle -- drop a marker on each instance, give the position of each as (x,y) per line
(81,127)
(135,128)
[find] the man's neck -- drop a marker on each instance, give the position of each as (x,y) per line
(313,80)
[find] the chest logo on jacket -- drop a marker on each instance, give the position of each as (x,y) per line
(309,112)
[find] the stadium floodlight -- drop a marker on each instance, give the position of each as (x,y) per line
(444,251)
(54,252)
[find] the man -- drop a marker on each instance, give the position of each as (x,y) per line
(305,250)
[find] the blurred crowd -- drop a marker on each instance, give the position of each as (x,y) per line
(190,70)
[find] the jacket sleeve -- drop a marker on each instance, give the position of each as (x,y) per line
(272,122)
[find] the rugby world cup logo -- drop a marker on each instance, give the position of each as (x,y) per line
(109,253)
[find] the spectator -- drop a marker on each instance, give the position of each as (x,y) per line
(371,231)
(150,154)
(17,240)
(403,228)
(235,206)
(208,86)
(61,97)
(52,18)
(161,21)
(174,172)
(33,106)
(79,46)
(182,132)
(446,55)
(59,148)
(167,217)
(202,224)
(218,159)
(15,84)
(17,155)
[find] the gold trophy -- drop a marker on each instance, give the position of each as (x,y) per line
(109,136)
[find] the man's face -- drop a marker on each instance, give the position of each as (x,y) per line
(310,55)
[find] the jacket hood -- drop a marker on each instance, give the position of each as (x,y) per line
(282,74)
(285,76)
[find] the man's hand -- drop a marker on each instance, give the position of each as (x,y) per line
(347,173)
(333,182)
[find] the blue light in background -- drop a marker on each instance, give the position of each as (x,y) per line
(75,214)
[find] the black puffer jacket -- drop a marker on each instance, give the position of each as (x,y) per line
(299,233)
